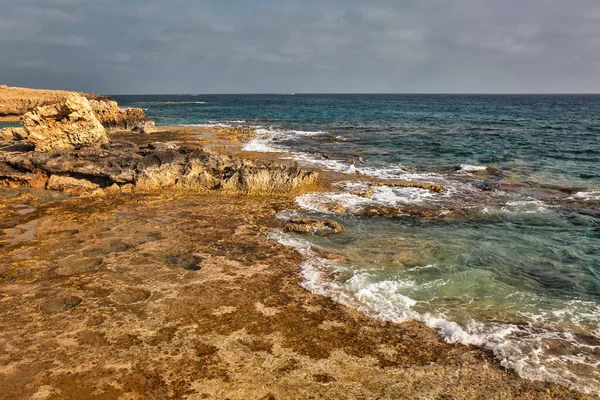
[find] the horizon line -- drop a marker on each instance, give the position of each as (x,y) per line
(357,93)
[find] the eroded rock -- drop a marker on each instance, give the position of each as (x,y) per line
(18,101)
(117,166)
(63,126)
(112,117)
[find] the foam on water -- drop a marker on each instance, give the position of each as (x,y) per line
(522,347)
(586,196)
(262,146)
(383,196)
(472,168)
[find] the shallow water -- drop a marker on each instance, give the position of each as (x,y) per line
(513,264)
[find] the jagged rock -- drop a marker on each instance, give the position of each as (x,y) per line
(313,225)
(112,117)
(63,126)
(151,167)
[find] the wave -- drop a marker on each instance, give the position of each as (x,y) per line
(586,196)
(382,196)
(523,347)
(262,146)
(264,142)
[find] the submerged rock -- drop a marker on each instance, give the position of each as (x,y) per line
(313,225)
(63,126)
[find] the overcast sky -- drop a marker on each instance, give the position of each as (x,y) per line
(273,46)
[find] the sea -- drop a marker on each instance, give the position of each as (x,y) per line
(511,260)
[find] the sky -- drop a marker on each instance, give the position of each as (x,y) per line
(303,46)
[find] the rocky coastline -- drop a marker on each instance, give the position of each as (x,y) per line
(137,266)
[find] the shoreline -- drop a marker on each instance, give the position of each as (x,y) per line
(177,294)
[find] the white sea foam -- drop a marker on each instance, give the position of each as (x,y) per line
(472,168)
(529,206)
(586,196)
(233,121)
(383,196)
(261,145)
(209,125)
(523,347)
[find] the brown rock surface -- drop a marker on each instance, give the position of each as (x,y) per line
(70,184)
(64,126)
(181,295)
(313,225)
(149,167)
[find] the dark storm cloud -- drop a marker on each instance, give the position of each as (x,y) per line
(185,46)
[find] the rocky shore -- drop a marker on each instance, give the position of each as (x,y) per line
(16,102)
(137,266)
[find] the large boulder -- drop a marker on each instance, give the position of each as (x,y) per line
(69,125)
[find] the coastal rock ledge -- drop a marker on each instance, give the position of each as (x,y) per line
(125,165)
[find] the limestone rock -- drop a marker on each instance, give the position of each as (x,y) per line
(18,101)
(112,117)
(70,184)
(64,126)
(149,167)
(8,134)
(313,225)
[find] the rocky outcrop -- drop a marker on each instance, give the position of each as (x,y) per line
(19,101)
(16,101)
(112,117)
(63,126)
(155,166)
(313,225)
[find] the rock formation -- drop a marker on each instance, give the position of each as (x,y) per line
(154,166)
(18,101)
(112,117)
(63,126)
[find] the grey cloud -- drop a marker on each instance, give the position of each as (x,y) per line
(311,46)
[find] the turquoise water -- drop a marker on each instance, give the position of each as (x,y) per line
(512,260)
(9,125)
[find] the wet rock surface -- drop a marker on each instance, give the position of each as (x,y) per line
(100,304)
(313,225)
